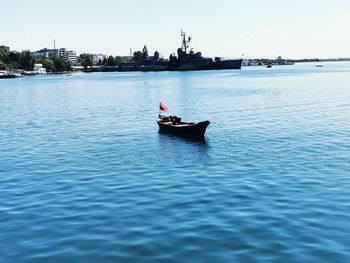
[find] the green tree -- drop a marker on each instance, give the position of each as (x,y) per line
(119,60)
(15,57)
(137,56)
(111,61)
(2,53)
(2,59)
(68,66)
(48,64)
(13,60)
(26,60)
(59,65)
(85,60)
(2,65)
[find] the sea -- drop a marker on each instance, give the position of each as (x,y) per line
(86,177)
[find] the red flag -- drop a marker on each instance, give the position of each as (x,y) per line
(163,107)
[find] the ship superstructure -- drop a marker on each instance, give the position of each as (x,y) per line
(185,60)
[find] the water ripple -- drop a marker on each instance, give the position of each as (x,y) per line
(86,177)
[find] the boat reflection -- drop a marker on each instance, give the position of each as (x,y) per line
(199,140)
(182,151)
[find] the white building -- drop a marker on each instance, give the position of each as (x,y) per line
(39,69)
(69,55)
(97,58)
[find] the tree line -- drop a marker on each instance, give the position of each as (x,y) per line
(25,61)
(86,60)
(15,60)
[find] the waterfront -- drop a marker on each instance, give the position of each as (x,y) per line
(85,177)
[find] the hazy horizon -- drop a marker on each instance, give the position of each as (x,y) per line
(312,29)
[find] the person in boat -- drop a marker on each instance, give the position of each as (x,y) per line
(175,120)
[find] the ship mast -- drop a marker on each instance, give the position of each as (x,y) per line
(185,43)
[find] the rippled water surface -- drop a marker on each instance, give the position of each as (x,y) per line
(86,177)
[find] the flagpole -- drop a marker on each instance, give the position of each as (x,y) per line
(162,107)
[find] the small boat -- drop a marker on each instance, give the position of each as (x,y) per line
(7,76)
(269,66)
(174,125)
(319,66)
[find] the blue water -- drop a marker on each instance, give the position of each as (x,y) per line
(86,177)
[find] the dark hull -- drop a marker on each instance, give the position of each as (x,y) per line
(191,129)
(7,76)
(170,66)
(205,65)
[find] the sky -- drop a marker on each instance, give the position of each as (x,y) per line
(227,28)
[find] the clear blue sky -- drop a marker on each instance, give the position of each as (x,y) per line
(255,28)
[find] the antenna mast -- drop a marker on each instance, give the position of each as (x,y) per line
(54,46)
(185,43)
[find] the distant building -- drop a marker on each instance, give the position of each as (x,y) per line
(45,53)
(6,50)
(281,61)
(72,57)
(126,59)
(97,58)
(69,55)
(246,62)
(62,52)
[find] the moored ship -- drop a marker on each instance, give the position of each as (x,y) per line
(195,61)
(184,61)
